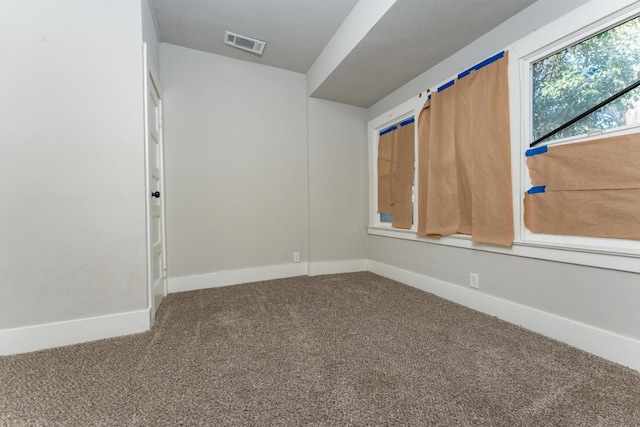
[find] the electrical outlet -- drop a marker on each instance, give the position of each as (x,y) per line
(296,256)
(474,280)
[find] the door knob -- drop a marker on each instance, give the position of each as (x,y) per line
(156,194)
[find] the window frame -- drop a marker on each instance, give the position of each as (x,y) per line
(573,39)
(604,245)
(578,25)
(392,117)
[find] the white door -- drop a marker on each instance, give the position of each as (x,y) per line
(156,269)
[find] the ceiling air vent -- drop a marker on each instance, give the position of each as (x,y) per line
(244,42)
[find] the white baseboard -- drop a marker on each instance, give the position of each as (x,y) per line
(235,277)
(611,346)
(608,345)
(48,335)
(337,267)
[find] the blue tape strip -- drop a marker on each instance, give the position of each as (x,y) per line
(536,151)
(387,130)
(407,122)
(484,63)
(446,85)
(537,190)
(465,73)
(429,98)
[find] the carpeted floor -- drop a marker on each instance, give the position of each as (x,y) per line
(351,349)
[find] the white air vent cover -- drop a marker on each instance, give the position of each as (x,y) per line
(244,42)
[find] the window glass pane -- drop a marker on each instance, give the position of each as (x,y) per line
(573,80)
(386,217)
(621,112)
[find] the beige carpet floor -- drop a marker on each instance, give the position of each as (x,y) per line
(352,349)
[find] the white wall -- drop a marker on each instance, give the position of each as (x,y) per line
(72,211)
(236,163)
(596,298)
(150,36)
(337,181)
(255,170)
(605,299)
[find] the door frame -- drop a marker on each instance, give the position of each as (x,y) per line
(150,79)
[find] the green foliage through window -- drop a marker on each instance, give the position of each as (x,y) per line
(579,77)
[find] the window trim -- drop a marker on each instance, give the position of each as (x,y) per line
(572,28)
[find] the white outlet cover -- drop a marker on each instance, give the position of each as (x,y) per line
(474,280)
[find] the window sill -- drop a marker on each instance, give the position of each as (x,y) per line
(588,256)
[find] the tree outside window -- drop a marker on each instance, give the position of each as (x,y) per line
(579,77)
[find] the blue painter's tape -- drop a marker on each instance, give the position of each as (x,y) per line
(537,190)
(387,130)
(488,61)
(446,85)
(536,151)
(429,98)
(465,73)
(484,63)
(407,122)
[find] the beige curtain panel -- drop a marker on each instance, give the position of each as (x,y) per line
(464,156)
(591,189)
(603,164)
(491,142)
(403,177)
(386,164)
(424,126)
(396,158)
(443,208)
(464,176)
(590,213)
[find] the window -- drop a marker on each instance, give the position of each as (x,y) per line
(555,74)
(585,112)
(569,82)
(395,171)
(464,170)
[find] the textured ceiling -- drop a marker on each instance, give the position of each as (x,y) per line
(296,31)
(413,36)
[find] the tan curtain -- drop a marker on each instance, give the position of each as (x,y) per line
(490,139)
(396,158)
(464,155)
(464,152)
(603,164)
(402,202)
(386,164)
(591,189)
(424,126)
(443,212)
(590,213)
